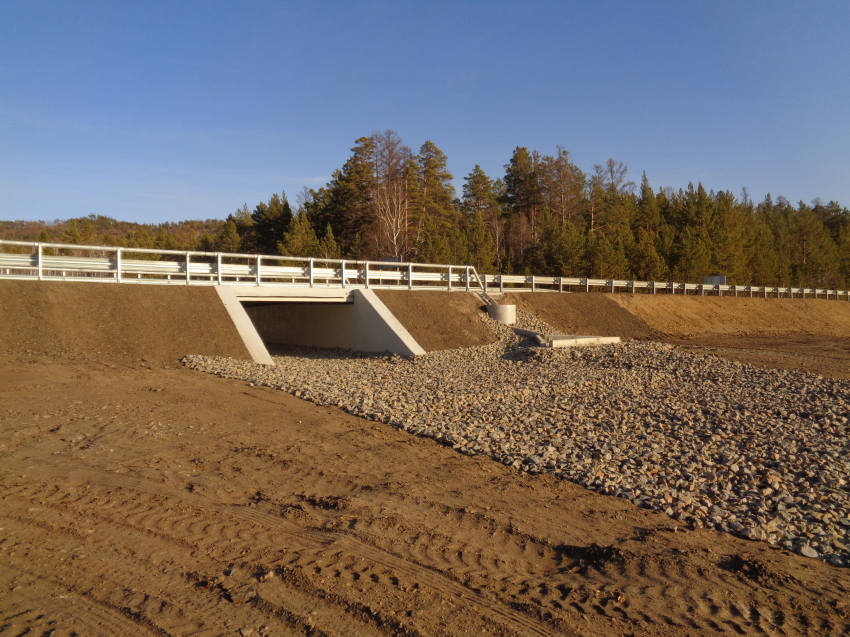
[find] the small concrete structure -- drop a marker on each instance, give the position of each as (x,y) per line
(253,343)
(567,340)
(319,317)
(505,314)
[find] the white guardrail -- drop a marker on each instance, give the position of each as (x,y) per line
(27,260)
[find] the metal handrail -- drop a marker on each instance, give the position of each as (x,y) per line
(223,268)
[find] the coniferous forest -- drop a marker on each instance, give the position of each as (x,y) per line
(544,216)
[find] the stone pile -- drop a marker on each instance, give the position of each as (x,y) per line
(712,443)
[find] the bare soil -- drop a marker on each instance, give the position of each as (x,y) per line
(591,314)
(149,499)
(809,335)
(143,500)
(439,320)
(694,316)
(158,323)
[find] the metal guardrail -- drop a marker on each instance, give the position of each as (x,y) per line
(143,265)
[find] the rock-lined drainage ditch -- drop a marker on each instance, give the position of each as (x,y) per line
(712,443)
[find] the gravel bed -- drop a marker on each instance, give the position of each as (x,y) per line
(712,443)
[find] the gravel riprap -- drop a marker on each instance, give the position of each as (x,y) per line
(761,453)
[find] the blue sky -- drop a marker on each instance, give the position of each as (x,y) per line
(164,111)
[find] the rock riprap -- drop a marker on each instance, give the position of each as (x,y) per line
(712,443)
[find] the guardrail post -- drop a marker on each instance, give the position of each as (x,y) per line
(612,286)
(118,265)
(259,278)
(632,286)
(218,266)
(532,283)
(652,286)
(484,283)
(764,289)
(450,278)
(310,271)
(560,284)
(501,282)
(342,272)
(188,275)
(409,276)
(366,273)
(672,287)
(467,278)
(587,285)
(38,262)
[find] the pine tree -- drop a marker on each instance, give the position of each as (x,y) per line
(72,234)
(523,192)
(481,252)
(328,247)
(270,222)
(300,239)
(481,205)
(228,240)
(346,202)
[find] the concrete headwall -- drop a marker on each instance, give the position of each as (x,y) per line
(363,324)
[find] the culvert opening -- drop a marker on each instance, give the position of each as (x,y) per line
(302,324)
(350,319)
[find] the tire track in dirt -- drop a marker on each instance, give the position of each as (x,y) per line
(196,595)
(327,541)
(61,611)
(161,601)
(551,579)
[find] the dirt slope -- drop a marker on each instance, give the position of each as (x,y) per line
(142,501)
(696,316)
(157,323)
(592,314)
(438,320)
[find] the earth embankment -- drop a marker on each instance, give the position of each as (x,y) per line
(157,323)
(438,320)
(809,335)
(699,316)
(593,314)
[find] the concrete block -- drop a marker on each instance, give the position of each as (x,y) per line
(566,340)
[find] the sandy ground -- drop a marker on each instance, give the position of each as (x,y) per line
(148,499)
(167,502)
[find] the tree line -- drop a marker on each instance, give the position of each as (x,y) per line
(544,216)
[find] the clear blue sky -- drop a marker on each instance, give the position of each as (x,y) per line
(158,111)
